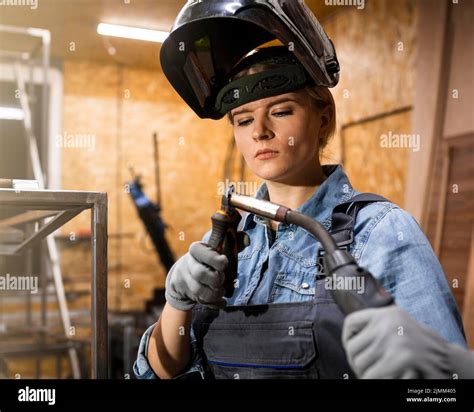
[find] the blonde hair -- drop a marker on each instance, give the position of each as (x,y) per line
(320,95)
(322,98)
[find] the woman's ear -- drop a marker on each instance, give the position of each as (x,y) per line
(325,116)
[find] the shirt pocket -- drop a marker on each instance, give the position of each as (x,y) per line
(294,286)
(249,252)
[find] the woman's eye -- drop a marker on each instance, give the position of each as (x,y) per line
(277,114)
(283,113)
(244,122)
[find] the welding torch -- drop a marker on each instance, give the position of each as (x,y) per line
(225,238)
(338,263)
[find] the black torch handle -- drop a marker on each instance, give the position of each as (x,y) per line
(223,239)
(220,223)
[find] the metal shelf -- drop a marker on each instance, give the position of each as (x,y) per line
(68,204)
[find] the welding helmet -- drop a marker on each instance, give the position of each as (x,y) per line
(210,37)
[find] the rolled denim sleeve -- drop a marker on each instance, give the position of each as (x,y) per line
(398,253)
(141,367)
(195,368)
(143,370)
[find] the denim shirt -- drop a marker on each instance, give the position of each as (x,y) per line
(387,241)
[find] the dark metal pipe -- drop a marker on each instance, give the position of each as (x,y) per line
(338,263)
(283,214)
(313,227)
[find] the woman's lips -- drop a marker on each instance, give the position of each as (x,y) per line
(266,154)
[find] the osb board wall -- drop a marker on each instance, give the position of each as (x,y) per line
(122,106)
(191,156)
(365,156)
(376,51)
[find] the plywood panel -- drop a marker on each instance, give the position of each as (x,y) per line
(376,48)
(371,166)
(123,106)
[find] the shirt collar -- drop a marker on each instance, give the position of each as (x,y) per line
(335,190)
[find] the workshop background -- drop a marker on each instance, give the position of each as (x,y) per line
(406,69)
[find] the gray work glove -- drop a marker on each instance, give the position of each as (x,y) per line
(388,343)
(197,277)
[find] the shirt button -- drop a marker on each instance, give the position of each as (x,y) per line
(304,285)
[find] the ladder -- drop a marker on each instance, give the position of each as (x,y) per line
(53,262)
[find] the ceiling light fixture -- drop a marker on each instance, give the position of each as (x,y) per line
(11,113)
(135,33)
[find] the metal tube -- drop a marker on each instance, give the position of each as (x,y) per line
(282,214)
(59,220)
(313,227)
(98,286)
(62,302)
(254,205)
(27,121)
(46,41)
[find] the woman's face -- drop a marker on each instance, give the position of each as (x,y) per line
(279,136)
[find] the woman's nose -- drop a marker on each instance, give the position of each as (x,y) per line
(261,130)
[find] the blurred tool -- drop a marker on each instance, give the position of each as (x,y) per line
(150,213)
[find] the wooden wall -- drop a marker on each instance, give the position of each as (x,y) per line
(376,49)
(122,106)
(119,107)
(447,195)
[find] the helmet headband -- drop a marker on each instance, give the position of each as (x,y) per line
(284,79)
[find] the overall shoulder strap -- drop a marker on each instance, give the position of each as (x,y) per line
(344,216)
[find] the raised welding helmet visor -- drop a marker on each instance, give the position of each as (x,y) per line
(209,37)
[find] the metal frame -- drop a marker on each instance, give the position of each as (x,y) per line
(68,204)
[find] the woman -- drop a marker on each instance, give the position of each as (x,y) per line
(281,321)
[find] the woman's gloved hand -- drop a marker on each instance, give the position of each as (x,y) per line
(197,277)
(388,343)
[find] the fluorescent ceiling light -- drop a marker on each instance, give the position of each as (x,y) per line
(11,113)
(132,32)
